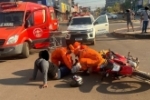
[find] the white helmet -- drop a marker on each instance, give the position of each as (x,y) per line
(76,68)
(75,81)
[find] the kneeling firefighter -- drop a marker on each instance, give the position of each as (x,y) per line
(89,59)
(61,57)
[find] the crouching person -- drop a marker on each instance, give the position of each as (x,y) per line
(61,57)
(48,69)
(89,59)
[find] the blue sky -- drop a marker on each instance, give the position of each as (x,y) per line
(92,3)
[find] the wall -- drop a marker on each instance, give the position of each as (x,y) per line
(63,8)
(76,8)
(64,5)
(112,2)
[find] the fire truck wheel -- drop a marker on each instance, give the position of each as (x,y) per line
(25,50)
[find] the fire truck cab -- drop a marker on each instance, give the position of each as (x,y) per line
(24,26)
(84,28)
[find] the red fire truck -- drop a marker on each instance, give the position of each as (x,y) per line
(23,26)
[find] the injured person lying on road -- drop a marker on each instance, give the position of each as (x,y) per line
(48,69)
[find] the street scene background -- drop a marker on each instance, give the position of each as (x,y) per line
(15,72)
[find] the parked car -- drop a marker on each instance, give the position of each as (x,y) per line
(140,11)
(112,16)
(84,28)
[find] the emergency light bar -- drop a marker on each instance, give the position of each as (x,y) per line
(82,14)
(7,5)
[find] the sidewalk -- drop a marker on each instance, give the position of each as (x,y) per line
(122,33)
(121,21)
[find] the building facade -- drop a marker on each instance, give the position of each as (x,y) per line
(112,2)
(60,6)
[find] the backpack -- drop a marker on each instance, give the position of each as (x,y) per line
(147,15)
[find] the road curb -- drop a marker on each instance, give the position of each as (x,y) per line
(130,36)
(122,21)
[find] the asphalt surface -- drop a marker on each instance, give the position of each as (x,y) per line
(15,74)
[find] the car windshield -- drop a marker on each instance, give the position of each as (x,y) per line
(81,21)
(9,19)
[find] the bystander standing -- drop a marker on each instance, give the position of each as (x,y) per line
(145,16)
(129,16)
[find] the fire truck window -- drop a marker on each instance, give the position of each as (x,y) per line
(29,19)
(11,18)
(27,15)
(53,16)
(39,17)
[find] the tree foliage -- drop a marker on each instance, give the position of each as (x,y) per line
(98,10)
(145,2)
(109,9)
(126,5)
(115,8)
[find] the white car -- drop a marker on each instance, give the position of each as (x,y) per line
(85,28)
(140,11)
(112,16)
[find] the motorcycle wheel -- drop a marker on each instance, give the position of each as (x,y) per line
(142,74)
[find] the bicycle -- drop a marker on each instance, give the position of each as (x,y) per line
(54,42)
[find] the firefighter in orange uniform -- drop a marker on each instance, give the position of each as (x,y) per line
(61,56)
(77,46)
(88,58)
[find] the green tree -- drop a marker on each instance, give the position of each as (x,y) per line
(126,5)
(98,10)
(145,2)
(109,9)
(116,7)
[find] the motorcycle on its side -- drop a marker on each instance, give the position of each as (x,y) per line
(118,66)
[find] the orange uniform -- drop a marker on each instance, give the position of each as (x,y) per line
(59,55)
(77,46)
(90,58)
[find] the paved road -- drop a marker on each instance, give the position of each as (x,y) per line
(14,76)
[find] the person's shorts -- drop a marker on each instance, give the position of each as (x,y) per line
(129,22)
